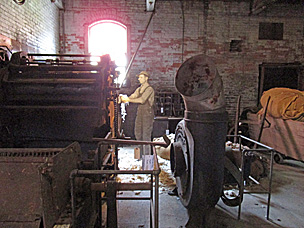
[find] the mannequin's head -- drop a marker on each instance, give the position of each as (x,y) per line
(143,77)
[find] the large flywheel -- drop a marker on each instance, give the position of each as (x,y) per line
(197,165)
(183,161)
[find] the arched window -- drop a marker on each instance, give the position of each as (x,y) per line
(109,37)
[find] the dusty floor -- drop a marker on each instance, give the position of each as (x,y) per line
(287,203)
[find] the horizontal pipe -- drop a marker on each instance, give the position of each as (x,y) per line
(49,107)
(78,172)
(133,198)
(63,55)
(129,142)
(53,81)
(30,150)
(122,186)
(253,141)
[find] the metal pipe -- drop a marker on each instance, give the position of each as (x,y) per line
(156,203)
(62,55)
(130,142)
(55,81)
(101,172)
(258,143)
(61,13)
(73,197)
(29,150)
(200,85)
(135,53)
(237,117)
(152,217)
(266,191)
(270,183)
(183,28)
(253,141)
(122,186)
(242,180)
(203,132)
(133,198)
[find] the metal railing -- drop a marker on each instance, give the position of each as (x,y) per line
(111,187)
(262,151)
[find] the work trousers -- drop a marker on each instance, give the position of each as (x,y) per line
(144,126)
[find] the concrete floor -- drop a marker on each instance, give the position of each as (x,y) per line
(286,210)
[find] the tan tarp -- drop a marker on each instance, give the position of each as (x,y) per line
(284,103)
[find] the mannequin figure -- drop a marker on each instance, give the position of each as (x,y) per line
(144,96)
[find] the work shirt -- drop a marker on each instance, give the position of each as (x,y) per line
(144,95)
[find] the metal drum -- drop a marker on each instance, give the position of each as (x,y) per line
(197,156)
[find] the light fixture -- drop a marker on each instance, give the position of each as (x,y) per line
(150,5)
(19,2)
(58,3)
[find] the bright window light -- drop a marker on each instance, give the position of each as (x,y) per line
(110,37)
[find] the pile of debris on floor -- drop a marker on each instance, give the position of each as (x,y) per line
(128,162)
(258,166)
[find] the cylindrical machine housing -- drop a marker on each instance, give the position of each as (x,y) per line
(200,85)
(199,82)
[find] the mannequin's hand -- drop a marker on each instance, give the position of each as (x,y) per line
(124,98)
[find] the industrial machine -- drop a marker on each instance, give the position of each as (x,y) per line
(51,107)
(59,143)
(201,164)
(197,155)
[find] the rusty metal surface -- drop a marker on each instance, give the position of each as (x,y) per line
(199,143)
(200,85)
(23,224)
(26,195)
(20,190)
(53,102)
(55,183)
(133,142)
(30,124)
(46,104)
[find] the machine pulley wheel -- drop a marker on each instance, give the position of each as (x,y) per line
(199,177)
(183,163)
(231,187)
(231,193)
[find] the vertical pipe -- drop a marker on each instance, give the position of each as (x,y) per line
(73,201)
(63,31)
(156,200)
(151,202)
(270,182)
(237,116)
(261,85)
(98,196)
(183,29)
(135,53)
(111,204)
(263,120)
(242,178)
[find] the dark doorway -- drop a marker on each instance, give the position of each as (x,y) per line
(278,75)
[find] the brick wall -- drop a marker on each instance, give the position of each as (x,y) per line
(35,27)
(38,27)
(31,27)
(240,70)
(206,31)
